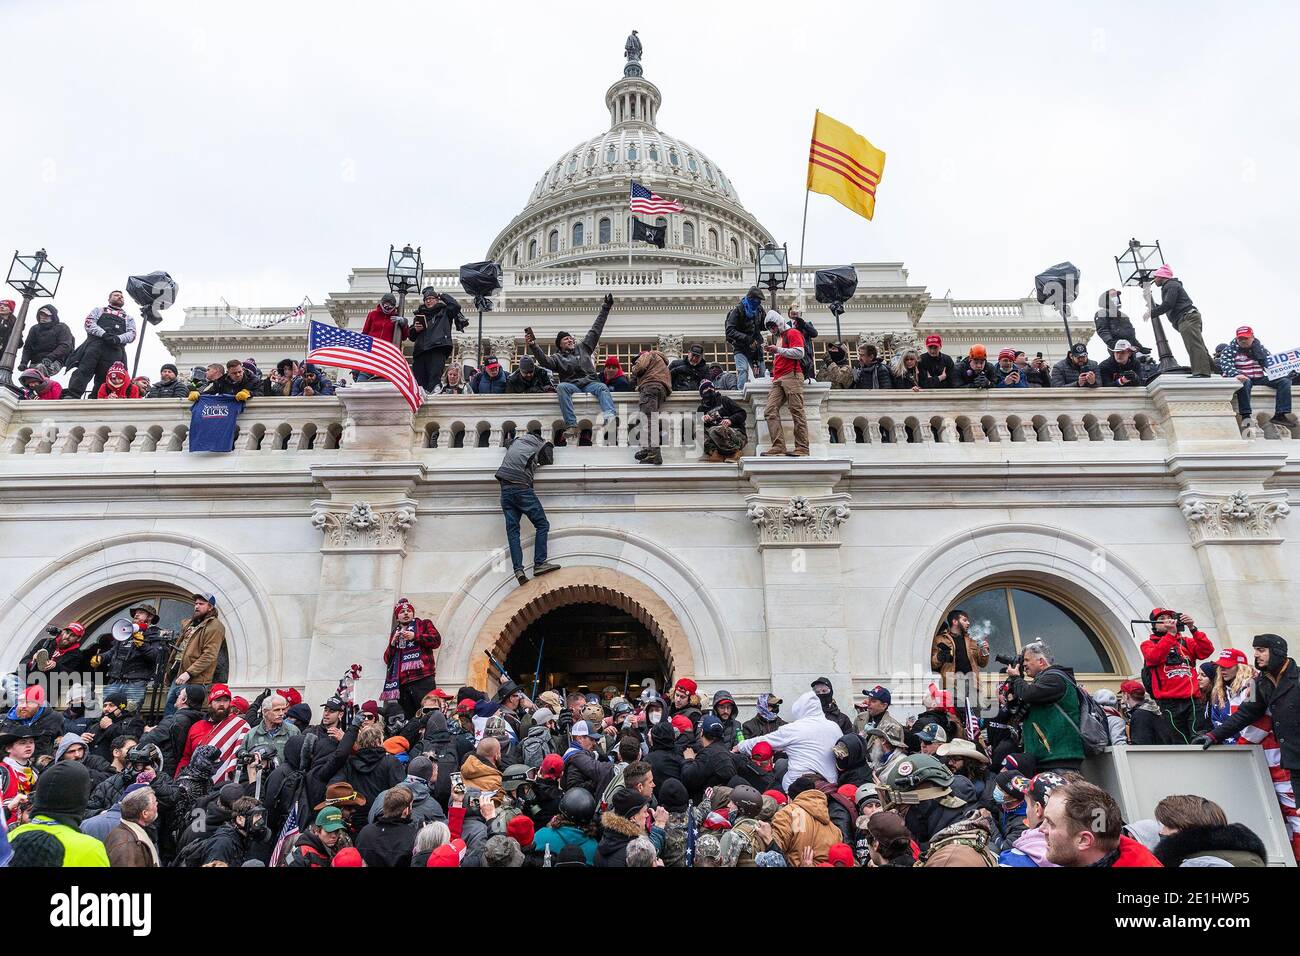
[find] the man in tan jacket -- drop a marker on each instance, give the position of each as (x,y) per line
(805,823)
(654,383)
(200,642)
(948,657)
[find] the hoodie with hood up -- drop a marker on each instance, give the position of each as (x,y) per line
(807,741)
(118,384)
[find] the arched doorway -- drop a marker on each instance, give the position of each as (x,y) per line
(587,646)
(592,613)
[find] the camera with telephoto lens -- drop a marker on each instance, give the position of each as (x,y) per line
(1018,661)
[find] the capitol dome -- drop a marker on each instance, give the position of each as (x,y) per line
(578,210)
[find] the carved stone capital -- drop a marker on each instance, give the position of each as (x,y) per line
(798,521)
(363,527)
(670,343)
(504,348)
(890,343)
(1236,518)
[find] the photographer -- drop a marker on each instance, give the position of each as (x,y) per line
(409,658)
(744,332)
(1050,729)
(1121,370)
(835,367)
(1169,672)
(129,665)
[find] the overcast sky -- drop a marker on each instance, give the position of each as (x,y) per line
(258,151)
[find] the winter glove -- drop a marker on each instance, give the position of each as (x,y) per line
(943,655)
(242,395)
(609,300)
(565,720)
(1205,740)
(193,396)
(111,339)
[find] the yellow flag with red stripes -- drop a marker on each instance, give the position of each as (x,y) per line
(842,164)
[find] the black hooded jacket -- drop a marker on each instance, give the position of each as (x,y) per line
(713,766)
(1236,844)
(730,726)
(437,322)
(370,771)
(46,340)
(1281,700)
(663,758)
(853,768)
(745,335)
(1113,325)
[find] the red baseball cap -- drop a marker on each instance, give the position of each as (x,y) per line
(348,856)
(1231,657)
(778,796)
(840,854)
(466,706)
(35,694)
(552,767)
(218,692)
(291,695)
(239,705)
(1133,688)
(933,340)
(762,751)
(439,693)
(683,723)
(687,685)
(1245,330)
(445,855)
(76,628)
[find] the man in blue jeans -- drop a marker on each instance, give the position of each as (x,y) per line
(1246,360)
(523,456)
(573,366)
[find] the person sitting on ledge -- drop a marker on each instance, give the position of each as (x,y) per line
(724,425)
(654,384)
(571,361)
(1246,360)
(36,384)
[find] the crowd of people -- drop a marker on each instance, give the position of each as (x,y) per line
(763,343)
(424,777)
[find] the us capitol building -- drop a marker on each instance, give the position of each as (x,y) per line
(1065,513)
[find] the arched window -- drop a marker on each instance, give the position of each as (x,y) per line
(708,171)
(690,164)
(1011,617)
(735,249)
(577,234)
(631,153)
(660,221)
(611,155)
(553,241)
(688,234)
(514,258)
(591,158)
(673,160)
(573,164)
(713,240)
(605,229)
(532,249)
(654,153)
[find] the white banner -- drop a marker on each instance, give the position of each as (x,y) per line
(1282,364)
(266,321)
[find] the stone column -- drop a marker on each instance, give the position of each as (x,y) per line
(670,343)
(797,516)
(814,397)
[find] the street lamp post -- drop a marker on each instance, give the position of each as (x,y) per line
(31,277)
(1058,286)
(405,274)
(772,269)
(1135,265)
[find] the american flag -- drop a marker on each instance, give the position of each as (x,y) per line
(339,348)
(646,202)
(228,737)
(972,721)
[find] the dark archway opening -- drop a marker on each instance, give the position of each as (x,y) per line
(587,645)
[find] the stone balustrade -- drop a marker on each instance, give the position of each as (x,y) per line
(859,425)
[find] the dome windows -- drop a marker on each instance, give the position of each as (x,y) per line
(713,240)
(691,164)
(735,249)
(611,154)
(654,153)
(573,164)
(532,249)
(708,171)
(673,158)
(688,234)
(591,158)
(577,234)
(553,241)
(604,230)
(631,153)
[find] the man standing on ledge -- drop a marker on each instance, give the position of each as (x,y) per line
(1184,317)
(787,387)
(523,456)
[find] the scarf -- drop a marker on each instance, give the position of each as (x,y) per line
(392,686)
(763,712)
(752,309)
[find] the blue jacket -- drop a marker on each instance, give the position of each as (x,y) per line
(323,385)
(560,837)
(484,384)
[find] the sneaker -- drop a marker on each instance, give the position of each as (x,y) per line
(641,455)
(1284,420)
(798,453)
(734,456)
(40,659)
(655,457)
(544,568)
(772,453)
(520,576)
(712,456)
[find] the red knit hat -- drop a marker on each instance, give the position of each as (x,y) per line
(552,767)
(687,685)
(291,695)
(682,723)
(521,829)
(848,790)
(778,796)
(1007,354)
(840,854)
(445,855)
(348,856)
(1133,688)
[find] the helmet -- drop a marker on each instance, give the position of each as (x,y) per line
(146,755)
(578,805)
(516,775)
(748,800)
(913,778)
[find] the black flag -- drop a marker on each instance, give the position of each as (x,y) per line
(655,235)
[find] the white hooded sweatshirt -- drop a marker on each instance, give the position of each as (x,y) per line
(808,741)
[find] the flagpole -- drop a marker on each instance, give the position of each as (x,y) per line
(630,218)
(803,230)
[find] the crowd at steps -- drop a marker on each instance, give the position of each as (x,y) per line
(429,777)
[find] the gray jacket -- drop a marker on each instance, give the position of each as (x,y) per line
(424,809)
(523,456)
(576,365)
(1066,372)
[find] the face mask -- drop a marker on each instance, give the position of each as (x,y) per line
(655,717)
(998,795)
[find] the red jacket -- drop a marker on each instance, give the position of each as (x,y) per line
(1176,681)
(380,326)
(1133,853)
(418,661)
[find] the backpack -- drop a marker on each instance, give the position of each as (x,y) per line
(1092,726)
(536,749)
(193,852)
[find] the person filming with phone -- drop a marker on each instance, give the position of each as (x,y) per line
(1169,672)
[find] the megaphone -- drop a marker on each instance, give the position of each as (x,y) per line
(123,630)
